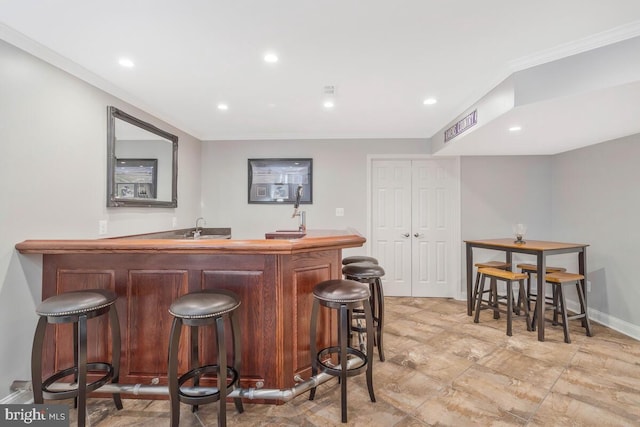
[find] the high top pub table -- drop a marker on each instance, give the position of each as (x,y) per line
(541,249)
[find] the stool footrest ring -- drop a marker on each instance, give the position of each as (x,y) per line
(202,398)
(91,367)
(324,367)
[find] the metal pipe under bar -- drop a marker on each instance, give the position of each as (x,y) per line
(284,395)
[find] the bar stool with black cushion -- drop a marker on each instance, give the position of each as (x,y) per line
(489,264)
(200,309)
(359,258)
(344,296)
(559,281)
(533,269)
(366,272)
(494,300)
(76,307)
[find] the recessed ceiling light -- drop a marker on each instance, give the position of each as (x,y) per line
(126,62)
(223,107)
(515,128)
(430,101)
(271,58)
(328,104)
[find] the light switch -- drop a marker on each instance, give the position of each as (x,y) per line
(339,211)
(102,226)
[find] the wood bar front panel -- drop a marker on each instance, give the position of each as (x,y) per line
(275,293)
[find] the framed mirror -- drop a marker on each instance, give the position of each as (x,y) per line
(142,163)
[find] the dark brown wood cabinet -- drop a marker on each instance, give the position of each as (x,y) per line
(274,286)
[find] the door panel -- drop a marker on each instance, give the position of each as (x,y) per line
(391,239)
(412,230)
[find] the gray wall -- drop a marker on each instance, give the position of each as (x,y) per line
(499,191)
(339,181)
(53,131)
(588,196)
(596,200)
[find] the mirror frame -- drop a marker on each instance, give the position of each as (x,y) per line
(112,199)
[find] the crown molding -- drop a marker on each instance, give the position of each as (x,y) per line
(604,38)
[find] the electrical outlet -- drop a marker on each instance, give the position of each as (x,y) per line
(588,286)
(102,226)
(174,222)
(339,211)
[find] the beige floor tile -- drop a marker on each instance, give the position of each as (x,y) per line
(562,410)
(444,369)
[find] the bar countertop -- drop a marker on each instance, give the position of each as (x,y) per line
(313,240)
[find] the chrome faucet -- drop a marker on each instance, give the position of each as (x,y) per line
(198,230)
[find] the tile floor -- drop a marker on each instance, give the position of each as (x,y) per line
(443,369)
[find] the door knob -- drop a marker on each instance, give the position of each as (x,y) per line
(406,234)
(418,235)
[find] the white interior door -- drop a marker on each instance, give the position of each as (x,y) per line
(391,220)
(433,194)
(414,220)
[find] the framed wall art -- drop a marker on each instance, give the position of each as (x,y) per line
(277,180)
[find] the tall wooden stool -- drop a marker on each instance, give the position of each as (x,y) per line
(489,264)
(493,302)
(199,309)
(533,269)
(76,307)
(344,296)
(366,272)
(560,281)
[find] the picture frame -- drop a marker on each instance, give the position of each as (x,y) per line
(136,178)
(276,180)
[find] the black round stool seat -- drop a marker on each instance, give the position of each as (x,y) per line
(76,307)
(203,305)
(345,296)
(362,270)
(90,302)
(341,291)
(359,258)
(367,272)
(209,307)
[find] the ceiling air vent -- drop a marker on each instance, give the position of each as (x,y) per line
(329,90)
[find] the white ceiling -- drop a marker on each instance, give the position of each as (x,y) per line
(384,58)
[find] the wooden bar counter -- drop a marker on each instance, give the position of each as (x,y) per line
(273,278)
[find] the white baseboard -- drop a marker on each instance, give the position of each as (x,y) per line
(604,319)
(18,397)
(609,321)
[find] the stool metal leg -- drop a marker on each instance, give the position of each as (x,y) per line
(343,338)
(478,296)
(476,288)
(369,319)
(525,305)
(195,359)
(75,361)
(565,319)
(509,307)
(174,343)
(380,317)
(82,370)
(222,372)
(115,352)
(36,360)
(312,344)
(583,307)
(237,356)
